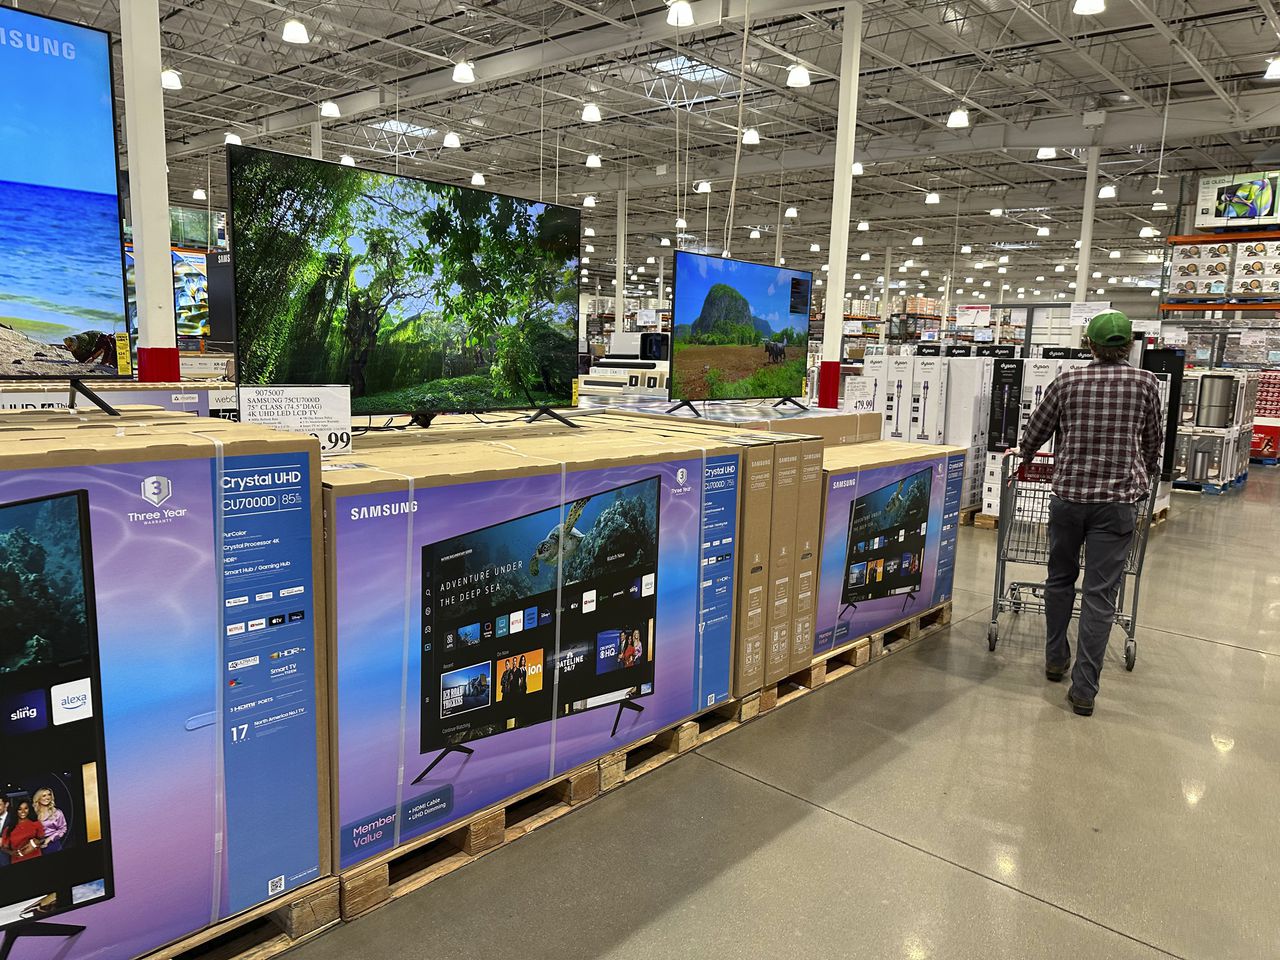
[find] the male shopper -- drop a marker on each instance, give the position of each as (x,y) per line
(1110,441)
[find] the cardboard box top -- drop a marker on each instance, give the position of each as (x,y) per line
(677,426)
(113,386)
(882,453)
(84,448)
(469,461)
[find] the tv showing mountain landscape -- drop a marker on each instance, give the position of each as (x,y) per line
(740,330)
(62,296)
(424,297)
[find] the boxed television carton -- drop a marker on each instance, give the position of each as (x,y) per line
(505,612)
(807,553)
(196,398)
(195,559)
(888,536)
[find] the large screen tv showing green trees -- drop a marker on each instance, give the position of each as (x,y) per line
(741,330)
(424,297)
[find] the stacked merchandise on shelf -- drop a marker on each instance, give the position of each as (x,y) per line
(1201,270)
(1215,426)
(936,400)
(1266,422)
(1257,268)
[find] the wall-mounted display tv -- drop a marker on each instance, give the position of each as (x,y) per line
(1241,199)
(62,299)
(424,297)
(498,654)
(55,851)
(740,330)
(887,530)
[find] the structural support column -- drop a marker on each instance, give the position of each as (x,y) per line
(620,268)
(1084,264)
(885,296)
(317,141)
(148,189)
(842,185)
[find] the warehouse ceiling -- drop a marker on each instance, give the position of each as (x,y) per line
(673,102)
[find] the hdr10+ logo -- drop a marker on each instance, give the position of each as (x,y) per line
(72,701)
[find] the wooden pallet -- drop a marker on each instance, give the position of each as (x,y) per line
(413,865)
(967,514)
(645,756)
(985,521)
(265,931)
(853,655)
(1265,461)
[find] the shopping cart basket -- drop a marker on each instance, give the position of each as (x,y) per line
(1023,538)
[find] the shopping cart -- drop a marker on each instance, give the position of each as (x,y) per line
(1023,538)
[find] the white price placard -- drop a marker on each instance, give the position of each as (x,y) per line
(1082,313)
(1174,336)
(860,394)
(1253,338)
(322,411)
(973,315)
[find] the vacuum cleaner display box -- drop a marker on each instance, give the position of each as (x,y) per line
(889,536)
(500,617)
(159,642)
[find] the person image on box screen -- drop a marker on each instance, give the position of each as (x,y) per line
(51,818)
(6,818)
(520,683)
(21,839)
(1110,441)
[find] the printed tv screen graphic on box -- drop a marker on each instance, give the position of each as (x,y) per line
(490,625)
(740,329)
(62,296)
(888,529)
(54,841)
(423,297)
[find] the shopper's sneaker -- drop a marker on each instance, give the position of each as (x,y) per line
(1083,708)
(1056,673)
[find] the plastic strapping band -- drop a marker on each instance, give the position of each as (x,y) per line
(219,765)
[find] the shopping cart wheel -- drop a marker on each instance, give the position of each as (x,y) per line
(993,635)
(1130,653)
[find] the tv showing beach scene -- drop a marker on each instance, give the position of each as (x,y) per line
(62,294)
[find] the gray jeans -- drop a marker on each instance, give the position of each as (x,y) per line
(1106,531)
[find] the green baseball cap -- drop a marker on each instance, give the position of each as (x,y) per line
(1110,329)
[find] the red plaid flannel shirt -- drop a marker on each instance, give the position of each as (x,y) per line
(1109,433)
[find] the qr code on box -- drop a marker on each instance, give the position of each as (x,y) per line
(275,885)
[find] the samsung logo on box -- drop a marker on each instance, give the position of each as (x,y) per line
(34,43)
(384,510)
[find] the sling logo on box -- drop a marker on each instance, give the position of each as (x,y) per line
(71,701)
(24,712)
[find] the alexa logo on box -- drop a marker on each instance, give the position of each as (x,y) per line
(71,701)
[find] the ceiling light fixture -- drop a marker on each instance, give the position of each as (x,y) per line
(464,71)
(755,234)
(1114,254)
(1042,231)
(681,224)
(1089,8)
(593,160)
(917,241)
(702,186)
(589,232)
(170,80)
(966,249)
(199,194)
(347,160)
(1047,153)
(679,14)
(797,76)
(1273,70)
(932,197)
(1147,232)
(857,168)
(451,140)
(591,113)
(1159,207)
(1004,258)
(815,248)
(1107,191)
(477,179)
(750,137)
(588,201)
(791,212)
(330,109)
(232,139)
(958,118)
(997,211)
(664,242)
(863,225)
(295,31)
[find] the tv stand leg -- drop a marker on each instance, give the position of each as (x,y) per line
(548,412)
(789,400)
(455,748)
(36,929)
(622,705)
(682,405)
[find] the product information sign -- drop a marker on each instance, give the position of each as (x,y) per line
(1082,313)
(860,394)
(322,411)
(973,315)
(1174,336)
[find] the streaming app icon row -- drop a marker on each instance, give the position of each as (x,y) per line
(517,621)
(34,710)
